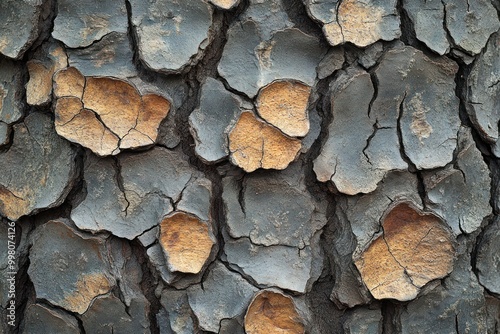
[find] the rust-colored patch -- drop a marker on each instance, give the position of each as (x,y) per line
(87,288)
(415,248)
(254,144)
(284,105)
(109,116)
(69,82)
(186,242)
(272,312)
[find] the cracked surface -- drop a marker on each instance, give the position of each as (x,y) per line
(413,250)
(254,144)
(43,172)
(112,110)
(283,104)
(225,166)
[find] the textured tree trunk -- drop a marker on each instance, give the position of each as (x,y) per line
(249,166)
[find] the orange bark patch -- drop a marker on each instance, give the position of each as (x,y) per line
(415,248)
(186,242)
(273,313)
(110,116)
(254,144)
(283,104)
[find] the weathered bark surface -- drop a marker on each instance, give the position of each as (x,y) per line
(249,166)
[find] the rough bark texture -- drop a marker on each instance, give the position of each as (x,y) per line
(249,166)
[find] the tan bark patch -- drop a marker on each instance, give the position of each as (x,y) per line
(86,289)
(39,87)
(284,105)
(186,242)
(69,82)
(415,248)
(116,102)
(254,144)
(11,204)
(358,23)
(273,313)
(109,116)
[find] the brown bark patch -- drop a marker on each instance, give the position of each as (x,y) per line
(186,242)
(273,313)
(69,82)
(254,144)
(87,288)
(109,115)
(415,248)
(284,105)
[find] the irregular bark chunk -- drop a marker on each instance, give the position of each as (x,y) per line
(427,16)
(251,60)
(413,250)
(280,266)
(37,170)
(488,260)
(80,24)
(60,255)
(170,40)
(417,95)
(359,22)
(209,123)
(20,26)
(284,105)
(254,144)
(483,93)
(224,295)
(273,209)
(111,56)
(69,82)
(460,194)
(186,242)
(273,312)
(356,155)
(470,23)
(113,116)
(11,90)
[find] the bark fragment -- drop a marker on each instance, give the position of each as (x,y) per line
(414,249)
(284,105)
(273,312)
(186,242)
(104,114)
(254,144)
(37,170)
